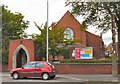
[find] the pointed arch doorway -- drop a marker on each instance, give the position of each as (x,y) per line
(20,57)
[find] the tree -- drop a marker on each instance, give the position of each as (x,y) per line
(56,41)
(13,27)
(98,14)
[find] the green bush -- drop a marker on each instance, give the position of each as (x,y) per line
(86,61)
(4,56)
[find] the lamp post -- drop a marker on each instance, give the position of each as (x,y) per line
(47,34)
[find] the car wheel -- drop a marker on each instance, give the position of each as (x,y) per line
(52,77)
(15,75)
(45,76)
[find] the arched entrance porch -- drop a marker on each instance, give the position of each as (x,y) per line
(20,56)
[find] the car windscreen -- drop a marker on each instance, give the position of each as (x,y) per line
(30,65)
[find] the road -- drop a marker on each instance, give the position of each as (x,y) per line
(65,78)
(59,78)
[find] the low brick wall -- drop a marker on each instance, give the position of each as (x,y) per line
(84,68)
(79,68)
(4,68)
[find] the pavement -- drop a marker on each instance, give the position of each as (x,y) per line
(83,77)
(90,77)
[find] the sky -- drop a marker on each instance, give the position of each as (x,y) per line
(36,11)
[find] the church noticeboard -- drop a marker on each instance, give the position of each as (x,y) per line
(83,53)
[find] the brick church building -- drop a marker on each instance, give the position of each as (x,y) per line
(22,51)
(73,30)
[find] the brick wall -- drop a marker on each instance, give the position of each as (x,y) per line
(84,68)
(79,68)
(4,68)
(96,43)
(29,45)
(69,21)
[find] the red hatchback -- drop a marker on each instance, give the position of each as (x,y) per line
(34,69)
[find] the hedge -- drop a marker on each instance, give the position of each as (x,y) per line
(86,61)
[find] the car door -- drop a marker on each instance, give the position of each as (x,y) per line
(39,69)
(28,70)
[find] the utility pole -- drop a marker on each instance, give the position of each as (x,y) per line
(114,57)
(47,35)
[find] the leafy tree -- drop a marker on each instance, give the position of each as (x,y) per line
(98,14)
(57,42)
(13,27)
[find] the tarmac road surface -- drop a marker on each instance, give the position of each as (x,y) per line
(67,78)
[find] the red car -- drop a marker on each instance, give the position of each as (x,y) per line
(34,69)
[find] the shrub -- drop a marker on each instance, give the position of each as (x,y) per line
(86,61)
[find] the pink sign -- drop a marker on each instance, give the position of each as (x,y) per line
(78,54)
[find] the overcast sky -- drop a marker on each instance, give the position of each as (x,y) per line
(36,11)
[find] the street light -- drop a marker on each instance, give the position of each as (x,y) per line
(47,34)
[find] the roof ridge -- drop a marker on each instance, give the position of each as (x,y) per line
(65,15)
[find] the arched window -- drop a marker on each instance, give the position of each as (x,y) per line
(68,33)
